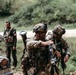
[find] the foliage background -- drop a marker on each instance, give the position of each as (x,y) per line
(30,12)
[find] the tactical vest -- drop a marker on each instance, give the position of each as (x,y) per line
(39,57)
(8,37)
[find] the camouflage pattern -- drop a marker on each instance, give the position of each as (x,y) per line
(40,27)
(64,45)
(36,59)
(61,46)
(59,42)
(59,30)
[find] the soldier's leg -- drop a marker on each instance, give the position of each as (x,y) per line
(8,54)
(25,65)
(24,70)
(14,58)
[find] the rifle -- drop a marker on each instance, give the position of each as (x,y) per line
(53,60)
(63,65)
(24,37)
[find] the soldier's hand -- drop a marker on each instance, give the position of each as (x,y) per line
(14,48)
(66,58)
(58,54)
(47,43)
(50,42)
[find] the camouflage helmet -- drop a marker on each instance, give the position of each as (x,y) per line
(59,30)
(40,27)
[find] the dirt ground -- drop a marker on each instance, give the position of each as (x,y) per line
(20,73)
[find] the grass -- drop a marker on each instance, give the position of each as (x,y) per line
(27,28)
(3,21)
(72,61)
(70,26)
(72,44)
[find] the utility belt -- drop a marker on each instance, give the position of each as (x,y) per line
(8,39)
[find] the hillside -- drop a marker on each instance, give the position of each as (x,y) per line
(16,4)
(49,11)
(29,12)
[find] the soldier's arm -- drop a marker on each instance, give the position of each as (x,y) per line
(67,50)
(66,47)
(49,36)
(36,44)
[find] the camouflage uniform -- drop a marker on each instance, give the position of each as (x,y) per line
(39,55)
(60,43)
(36,57)
(10,41)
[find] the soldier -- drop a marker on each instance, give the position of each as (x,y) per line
(10,38)
(61,44)
(37,52)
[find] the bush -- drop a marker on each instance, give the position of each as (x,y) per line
(5,6)
(73,58)
(62,11)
